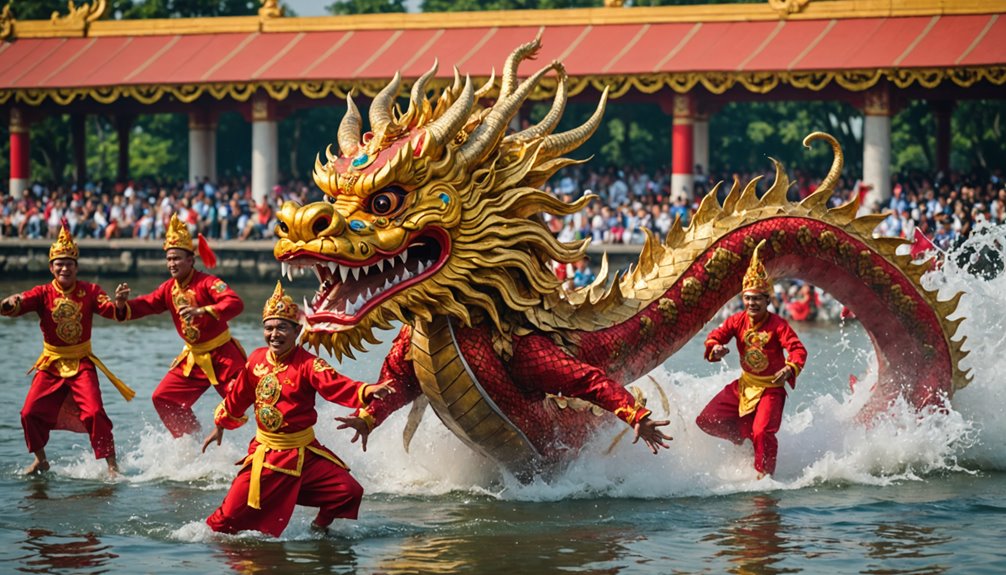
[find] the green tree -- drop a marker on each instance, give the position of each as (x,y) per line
(366,6)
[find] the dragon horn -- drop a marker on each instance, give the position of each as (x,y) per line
(495,123)
(551,119)
(523,52)
(380,108)
(558,144)
(487,87)
(418,93)
(349,128)
(445,127)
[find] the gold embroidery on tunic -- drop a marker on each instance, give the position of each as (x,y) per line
(181,298)
(267,393)
(321,365)
(754,355)
(66,313)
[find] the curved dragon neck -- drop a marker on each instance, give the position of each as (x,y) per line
(679,285)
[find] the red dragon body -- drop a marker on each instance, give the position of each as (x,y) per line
(433,220)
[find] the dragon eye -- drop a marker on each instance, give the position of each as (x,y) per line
(388,202)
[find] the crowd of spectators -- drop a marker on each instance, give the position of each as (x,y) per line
(945,208)
(223,210)
(630,200)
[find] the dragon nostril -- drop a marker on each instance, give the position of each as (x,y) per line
(321,224)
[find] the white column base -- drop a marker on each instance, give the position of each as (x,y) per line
(682,185)
(700,130)
(265,156)
(18,186)
(877,160)
(198,155)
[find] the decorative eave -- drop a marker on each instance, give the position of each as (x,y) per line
(807,45)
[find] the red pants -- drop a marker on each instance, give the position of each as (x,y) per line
(51,398)
(176,394)
(321,484)
(719,418)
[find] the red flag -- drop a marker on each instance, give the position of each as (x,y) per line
(921,244)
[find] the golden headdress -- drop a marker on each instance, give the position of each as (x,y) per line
(280,306)
(756,279)
(177,236)
(64,246)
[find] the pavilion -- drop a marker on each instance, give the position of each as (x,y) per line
(875,54)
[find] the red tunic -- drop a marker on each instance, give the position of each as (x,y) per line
(761,357)
(64,392)
(211,356)
(201,290)
(283,394)
(761,352)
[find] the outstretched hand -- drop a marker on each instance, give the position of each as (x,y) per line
(377,391)
(719,351)
(782,375)
(190,312)
(359,426)
(121,294)
(215,436)
(9,304)
(646,429)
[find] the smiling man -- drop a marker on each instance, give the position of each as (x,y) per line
(200,306)
(64,393)
(286,465)
(750,407)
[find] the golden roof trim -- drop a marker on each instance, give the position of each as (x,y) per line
(715,82)
(267,22)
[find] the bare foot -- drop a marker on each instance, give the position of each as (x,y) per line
(113,467)
(37,467)
(318,528)
(761,475)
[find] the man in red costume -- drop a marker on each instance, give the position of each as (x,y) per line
(64,393)
(286,465)
(750,407)
(200,306)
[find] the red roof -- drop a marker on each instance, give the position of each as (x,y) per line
(946,41)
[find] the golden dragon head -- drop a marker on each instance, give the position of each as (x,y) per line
(436,210)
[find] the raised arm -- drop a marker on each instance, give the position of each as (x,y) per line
(152,303)
(719,338)
(226,303)
(21,303)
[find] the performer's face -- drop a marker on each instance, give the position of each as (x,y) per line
(179,263)
(756,304)
(280,335)
(64,270)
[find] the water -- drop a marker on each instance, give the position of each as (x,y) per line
(910,494)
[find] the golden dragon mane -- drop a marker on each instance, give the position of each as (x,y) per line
(447,171)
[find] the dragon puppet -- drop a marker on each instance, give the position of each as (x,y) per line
(434,218)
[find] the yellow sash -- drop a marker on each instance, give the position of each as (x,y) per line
(749,390)
(70,364)
(199,354)
(278,442)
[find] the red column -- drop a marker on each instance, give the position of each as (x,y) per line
(20,152)
(683,146)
